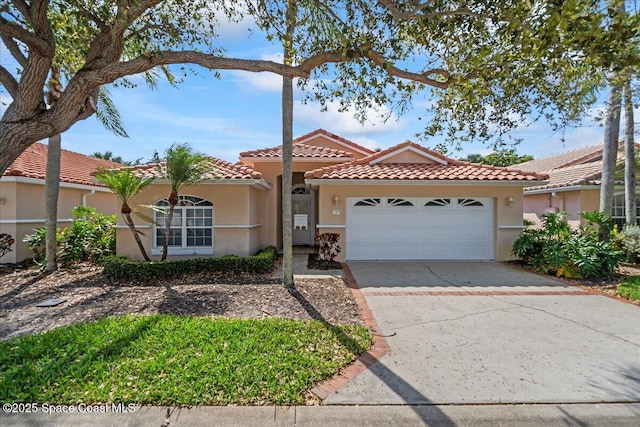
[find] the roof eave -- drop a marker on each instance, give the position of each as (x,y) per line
(497,183)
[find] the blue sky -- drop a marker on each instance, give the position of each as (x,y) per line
(241,111)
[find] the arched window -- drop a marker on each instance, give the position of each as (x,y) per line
(618,211)
(300,189)
(191,226)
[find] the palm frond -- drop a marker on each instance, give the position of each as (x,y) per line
(107,113)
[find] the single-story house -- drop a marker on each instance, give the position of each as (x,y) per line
(22,194)
(405,202)
(573,186)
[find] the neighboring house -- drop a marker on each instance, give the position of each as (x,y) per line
(22,194)
(573,186)
(406,202)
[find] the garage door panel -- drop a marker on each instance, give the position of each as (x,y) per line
(392,229)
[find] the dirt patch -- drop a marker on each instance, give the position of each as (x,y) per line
(91,296)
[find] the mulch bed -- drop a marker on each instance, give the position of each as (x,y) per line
(316,264)
(90,296)
(605,286)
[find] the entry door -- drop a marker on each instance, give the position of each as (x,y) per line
(303,219)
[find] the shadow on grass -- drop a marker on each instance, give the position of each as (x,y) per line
(63,361)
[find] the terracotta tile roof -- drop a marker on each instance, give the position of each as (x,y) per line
(220,169)
(582,155)
(587,173)
(301,151)
(75,168)
(451,170)
(345,141)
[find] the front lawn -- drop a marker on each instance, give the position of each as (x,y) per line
(169,360)
(630,289)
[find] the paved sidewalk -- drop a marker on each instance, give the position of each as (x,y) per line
(605,415)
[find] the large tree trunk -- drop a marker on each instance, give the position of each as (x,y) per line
(287,181)
(287,152)
(610,151)
(630,158)
(51,190)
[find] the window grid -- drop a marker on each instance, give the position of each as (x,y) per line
(618,211)
(191,225)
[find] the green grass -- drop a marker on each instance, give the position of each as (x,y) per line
(166,359)
(630,289)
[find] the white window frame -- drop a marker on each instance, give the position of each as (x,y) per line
(621,219)
(185,202)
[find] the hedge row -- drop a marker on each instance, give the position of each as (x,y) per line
(120,268)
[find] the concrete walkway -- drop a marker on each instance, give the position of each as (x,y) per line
(488,333)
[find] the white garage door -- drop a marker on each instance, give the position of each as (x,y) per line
(418,228)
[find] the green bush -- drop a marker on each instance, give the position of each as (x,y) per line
(629,241)
(90,237)
(558,249)
(120,268)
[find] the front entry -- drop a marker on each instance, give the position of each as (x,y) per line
(303,215)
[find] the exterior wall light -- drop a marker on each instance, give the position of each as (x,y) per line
(336,201)
(509,201)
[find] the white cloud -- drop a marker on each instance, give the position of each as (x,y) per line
(344,123)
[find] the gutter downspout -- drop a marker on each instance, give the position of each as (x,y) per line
(85,195)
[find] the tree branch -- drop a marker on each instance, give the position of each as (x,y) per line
(8,81)
(92,17)
(9,29)
(14,50)
(418,11)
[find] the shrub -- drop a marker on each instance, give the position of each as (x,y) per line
(557,249)
(629,242)
(5,243)
(89,238)
(326,246)
(120,268)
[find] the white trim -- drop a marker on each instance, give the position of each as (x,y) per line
(512,227)
(409,148)
(331,226)
(299,159)
(126,227)
(31,221)
(232,226)
(421,182)
(183,251)
(332,139)
(38,181)
(259,184)
(561,189)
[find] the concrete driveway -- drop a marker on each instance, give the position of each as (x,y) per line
(484,332)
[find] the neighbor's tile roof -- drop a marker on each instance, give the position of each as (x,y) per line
(301,151)
(452,170)
(75,168)
(586,173)
(219,169)
(545,164)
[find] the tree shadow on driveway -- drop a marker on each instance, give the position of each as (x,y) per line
(411,396)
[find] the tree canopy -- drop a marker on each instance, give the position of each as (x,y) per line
(488,65)
(504,157)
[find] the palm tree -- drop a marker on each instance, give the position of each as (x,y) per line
(125,184)
(181,167)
